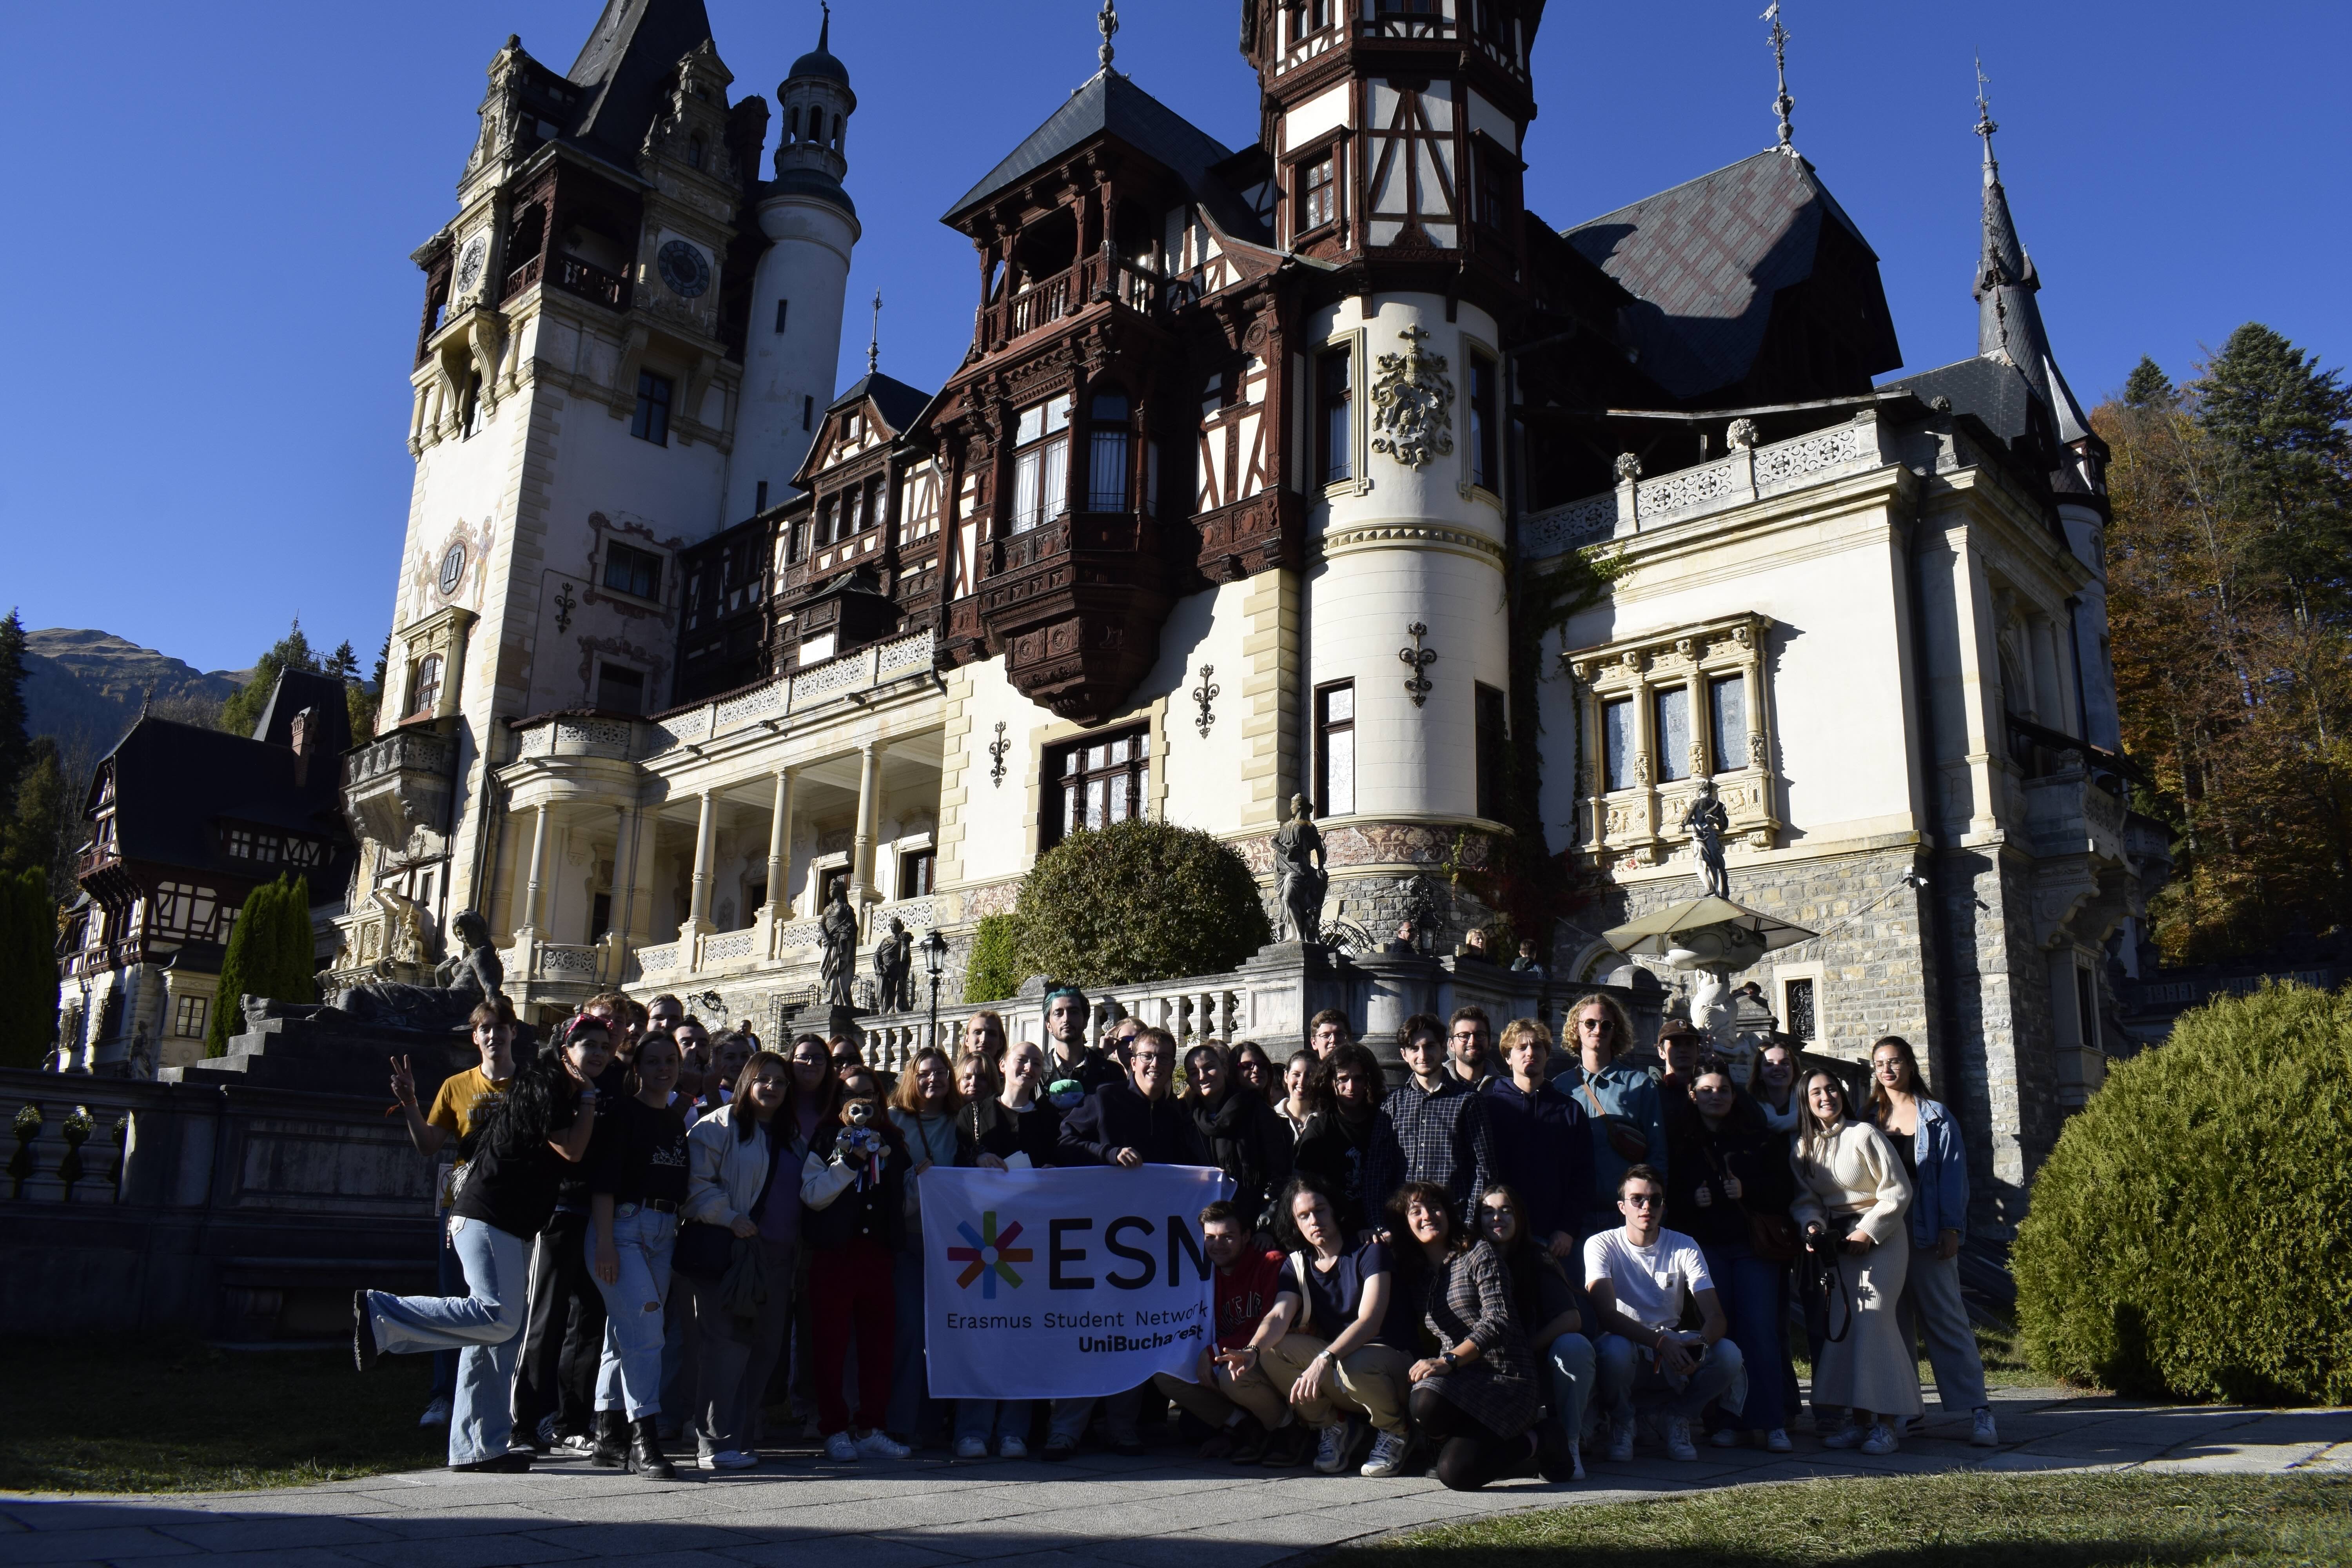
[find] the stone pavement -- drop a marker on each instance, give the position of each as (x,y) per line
(1164,1509)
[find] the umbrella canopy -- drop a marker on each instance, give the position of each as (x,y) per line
(1660,931)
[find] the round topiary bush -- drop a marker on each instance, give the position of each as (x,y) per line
(1139,900)
(2192,1232)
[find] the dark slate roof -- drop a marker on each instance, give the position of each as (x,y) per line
(323,696)
(811,183)
(627,58)
(1111,104)
(819,62)
(2009,320)
(898,404)
(1705,259)
(1993,390)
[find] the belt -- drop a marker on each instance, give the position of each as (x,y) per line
(659,1206)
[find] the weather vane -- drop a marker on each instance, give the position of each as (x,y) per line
(874,343)
(1784,103)
(1985,124)
(1108,20)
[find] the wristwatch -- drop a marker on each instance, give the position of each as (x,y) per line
(1448,1358)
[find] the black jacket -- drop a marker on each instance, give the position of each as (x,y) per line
(1096,1069)
(1745,1147)
(878,1211)
(1250,1143)
(1116,1117)
(1335,1149)
(986,1127)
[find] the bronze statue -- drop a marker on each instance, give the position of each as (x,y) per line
(894,966)
(1707,822)
(837,936)
(1302,881)
(460,983)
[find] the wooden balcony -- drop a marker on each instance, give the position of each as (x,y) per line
(1100,278)
(574,276)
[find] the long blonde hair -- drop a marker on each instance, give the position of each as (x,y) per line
(1813,1135)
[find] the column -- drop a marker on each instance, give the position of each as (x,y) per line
(780,845)
(538,871)
(869,802)
(697,915)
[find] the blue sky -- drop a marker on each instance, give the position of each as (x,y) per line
(203,431)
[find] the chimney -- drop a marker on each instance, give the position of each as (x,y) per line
(303,737)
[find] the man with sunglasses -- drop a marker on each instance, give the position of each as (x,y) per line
(1637,1276)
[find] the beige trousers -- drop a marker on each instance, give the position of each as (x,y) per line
(1214,1399)
(1370,1382)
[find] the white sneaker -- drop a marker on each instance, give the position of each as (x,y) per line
(1777,1441)
(1727,1437)
(1621,1442)
(575,1445)
(1678,1441)
(1982,1434)
(1882,1439)
(842,1448)
(1332,1451)
(1012,1449)
(1849,1436)
(435,1414)
(879,1445)
(971,1448)
(727,1459)
(1388,1456)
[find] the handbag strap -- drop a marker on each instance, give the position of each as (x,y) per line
(1305,1297)
(1591,1099)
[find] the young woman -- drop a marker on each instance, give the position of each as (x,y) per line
(1728,1165)
(1851,1193)
(1013,1127)
(1338,1140)
(1337,1343)
(635,1191)
(854,1181)
(741,1177)
(1544,1298)
(1772,1084)
(1255,1069)
(809,1100)
(1302,1092)
(1928,1140)
(1476,1397)
(984,1036)
(1248,1140)
(924,1110)
(542,1125)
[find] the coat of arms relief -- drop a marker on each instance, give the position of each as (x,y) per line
(1412,404)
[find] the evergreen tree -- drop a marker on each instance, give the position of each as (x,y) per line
(2286,463)
(2147,386)
(294,973)
(241,712)
(36,837)
(246,965)
(16,746)
(28,970)
(343,663)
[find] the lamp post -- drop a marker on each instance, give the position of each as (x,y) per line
(935,963)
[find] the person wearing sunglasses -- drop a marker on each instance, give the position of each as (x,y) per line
(1638,1276)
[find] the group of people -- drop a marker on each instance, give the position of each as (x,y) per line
(1485,1269)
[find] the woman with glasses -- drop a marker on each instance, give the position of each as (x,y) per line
(1547,1301)
(1851,1195)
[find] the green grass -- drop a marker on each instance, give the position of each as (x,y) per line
(170,1414)
(1963,1520)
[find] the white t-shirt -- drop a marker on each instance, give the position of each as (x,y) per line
(1649,1280)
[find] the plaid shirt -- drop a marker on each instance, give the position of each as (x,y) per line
(1429,1135)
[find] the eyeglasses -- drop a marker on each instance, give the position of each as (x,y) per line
(1595,1023)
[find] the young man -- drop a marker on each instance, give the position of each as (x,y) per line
(1068,1055)
(1430,1127)
(1607,1088)
(1242,1288)
(1637,1276)
(1327,1032)
(1127,1123)
(1679,1043)
(728,1054)
(1543,1151)
(1336,1143)
(462,1104)
(1470,1045)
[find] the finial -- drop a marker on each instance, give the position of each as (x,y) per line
(824,30)
(1106,19)
(1985,125)
(874,344)
(1784,103)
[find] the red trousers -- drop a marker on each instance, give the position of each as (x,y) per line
(851,1290)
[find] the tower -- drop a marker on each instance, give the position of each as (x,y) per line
(795,333)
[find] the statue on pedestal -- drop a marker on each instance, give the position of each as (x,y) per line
(459,985)
(1707,822)
(837,938)
(1302,881)
(894,965)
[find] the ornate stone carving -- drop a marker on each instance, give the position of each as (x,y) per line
(1418,659)
(1628,468)
(1742,435)
(1412,404)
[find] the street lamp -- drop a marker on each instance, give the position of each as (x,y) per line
(935,963)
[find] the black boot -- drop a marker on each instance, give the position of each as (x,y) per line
(611,1441)
(364,1348)
(646,1457)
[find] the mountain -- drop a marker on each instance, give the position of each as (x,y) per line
(85,688)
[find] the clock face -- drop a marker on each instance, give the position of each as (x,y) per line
(683,268)
(453,569)
(470,260)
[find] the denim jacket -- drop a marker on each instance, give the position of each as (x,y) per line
(1622,1090)
(1939,1197)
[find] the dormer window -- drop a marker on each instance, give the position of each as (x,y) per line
(1040,463)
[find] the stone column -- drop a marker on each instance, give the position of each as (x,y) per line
(779,844)
(869,804)
(529,921)
(698,915)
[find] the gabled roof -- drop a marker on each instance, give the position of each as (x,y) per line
(897,403)
(1109,104)
(1706,260)
(624,63)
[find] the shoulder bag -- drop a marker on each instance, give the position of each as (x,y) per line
(1627,1137)
(1773,1237)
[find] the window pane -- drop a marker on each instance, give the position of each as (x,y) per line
(1116,793)
(1617,741)
(1674,733)
(1029,427)
(1106,474)
(1339,772)
(1727,698)
(1026,471)
(1339,703)
(1057,413)
(1110,405)
(1055,485)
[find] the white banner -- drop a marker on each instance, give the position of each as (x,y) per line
(1066,1283)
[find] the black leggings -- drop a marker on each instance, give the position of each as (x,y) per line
(1469,1454)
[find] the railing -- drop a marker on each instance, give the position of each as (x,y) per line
(658,960)
(2068,813)
(567,962)
(857,670)
(70,1146)
(522,277)
(1101,277)
(403,751)
(722,947)
(95,859)
(576,277)
(568,737)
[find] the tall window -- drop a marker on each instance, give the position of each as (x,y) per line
(1318,191)
(1803,1022)
(1493,729)
(188,1021)
(620,689)
(783,309)
(1334,396)
(1674,731)
(1726,703)
(1096,782)
(1618,745)
(1107,454)
(1494,190)
(916,868)
(628,570)
(1335,749)
(2087,1008)
(652,420)
(1485,470)
(426,692)
(1040,463)
(1310,17)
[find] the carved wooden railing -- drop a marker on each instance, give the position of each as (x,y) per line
(574,276)
(522,277)
(1099,277)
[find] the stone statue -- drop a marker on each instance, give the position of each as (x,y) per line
(894,965)
(404,926)
(1301,880)
(837,938)
(459,985)
(1707,822)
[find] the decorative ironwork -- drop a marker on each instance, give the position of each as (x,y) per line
(1412,405)
(996,749)
(1418,659)
(564,605)
(1204,694)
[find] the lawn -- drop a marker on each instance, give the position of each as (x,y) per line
(171,1414)
(1961,1520)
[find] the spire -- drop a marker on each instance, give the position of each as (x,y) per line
(1783,103)
(2009,318)
(874,343)
(824,29)
(1106,20)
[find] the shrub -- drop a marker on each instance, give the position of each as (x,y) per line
(2192,1232)
(994,970)
(1139,900)
(28,970)
(269,954)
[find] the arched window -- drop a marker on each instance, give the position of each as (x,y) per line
(1106,452)
(425,693)
(694,152)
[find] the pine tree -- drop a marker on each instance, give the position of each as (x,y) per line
(343,663)
(241,712)
(2280,421)
(35,838)
(28,970)
(2147,386)
(16,746)
(246,965)
(294,974)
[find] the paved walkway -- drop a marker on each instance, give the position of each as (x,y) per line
(1161,1510)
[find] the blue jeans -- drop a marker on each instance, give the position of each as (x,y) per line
(1621,1372)
(629,1378)
(450,1275)
(1751,1291)
(1121,1413)
(991,1420)
(1568,1372)
(486,1324)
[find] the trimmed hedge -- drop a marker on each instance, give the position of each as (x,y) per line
(1139,900)
(994,971)
(2191,1234)
(269,954)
